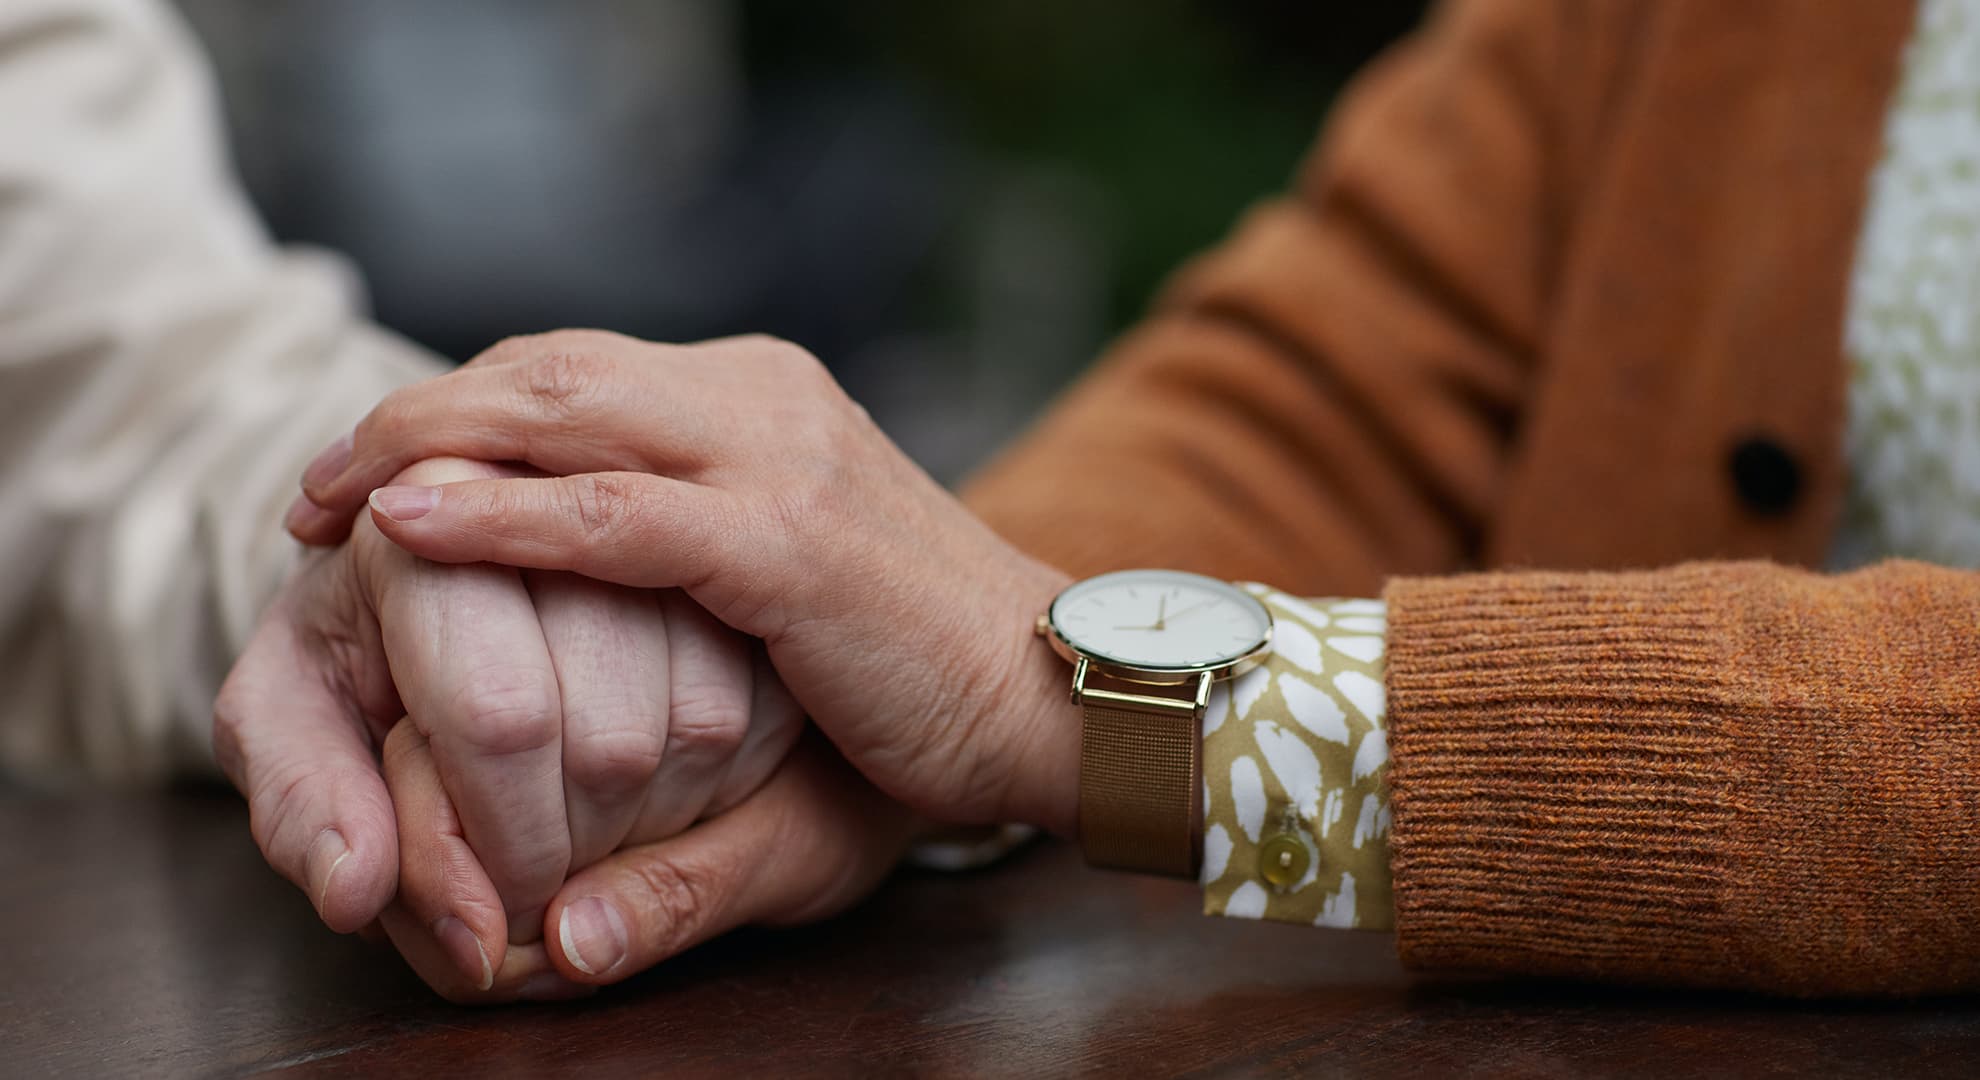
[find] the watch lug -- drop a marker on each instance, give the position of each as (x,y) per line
(1197,702)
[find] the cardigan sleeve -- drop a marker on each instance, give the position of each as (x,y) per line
(1343,374)
(1722,774)
(1730,775)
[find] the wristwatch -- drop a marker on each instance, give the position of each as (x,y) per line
(1146,646)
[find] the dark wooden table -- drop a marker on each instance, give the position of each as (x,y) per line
(143,937)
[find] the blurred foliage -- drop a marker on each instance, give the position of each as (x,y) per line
(1181,112)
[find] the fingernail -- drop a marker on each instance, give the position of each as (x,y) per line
(550,986)
(593,935)
(327,852)
(465,948)
(405,503)
(329,463)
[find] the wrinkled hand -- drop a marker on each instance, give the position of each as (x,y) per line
(814,839)
(740,472)
(562,717)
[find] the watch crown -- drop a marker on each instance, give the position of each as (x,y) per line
(1043,626)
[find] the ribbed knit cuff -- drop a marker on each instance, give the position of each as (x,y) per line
(1558,773)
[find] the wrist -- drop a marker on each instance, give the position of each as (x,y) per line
(1039,724)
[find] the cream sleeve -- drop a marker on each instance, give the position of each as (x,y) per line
(165,372)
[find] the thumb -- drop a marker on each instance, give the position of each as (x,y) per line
(813,840)
(317,805)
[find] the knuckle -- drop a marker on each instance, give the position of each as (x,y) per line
(568,375)
(614,759)
(603,504)
(810,383)
(795,369)
(780,351)
(679,897)
(708,721)
(506,711)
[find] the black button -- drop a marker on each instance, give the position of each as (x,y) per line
(1767,477)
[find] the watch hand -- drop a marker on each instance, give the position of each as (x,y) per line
(1137,628)
(1194,607)
(1161,606)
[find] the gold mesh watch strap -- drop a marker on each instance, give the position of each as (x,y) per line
(1140,789)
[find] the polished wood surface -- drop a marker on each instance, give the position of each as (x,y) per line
(144,937)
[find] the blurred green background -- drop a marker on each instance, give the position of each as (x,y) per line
(954,204)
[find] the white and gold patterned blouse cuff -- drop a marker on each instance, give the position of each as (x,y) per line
(1295,769)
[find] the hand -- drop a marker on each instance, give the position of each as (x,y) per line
(566,717)
(810,842)
(739,471)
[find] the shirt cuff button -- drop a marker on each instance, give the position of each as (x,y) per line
(1282,861)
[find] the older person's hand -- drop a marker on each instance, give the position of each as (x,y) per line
(740,472)
(564,718)
(812,840)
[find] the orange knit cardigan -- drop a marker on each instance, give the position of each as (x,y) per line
(1563,288)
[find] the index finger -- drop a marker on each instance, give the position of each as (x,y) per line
(576,404)
(568,402)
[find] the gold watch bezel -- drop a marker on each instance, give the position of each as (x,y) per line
(1084,661)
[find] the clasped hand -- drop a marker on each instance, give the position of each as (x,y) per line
(541,720)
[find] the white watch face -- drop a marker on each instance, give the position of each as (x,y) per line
(1161,619)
